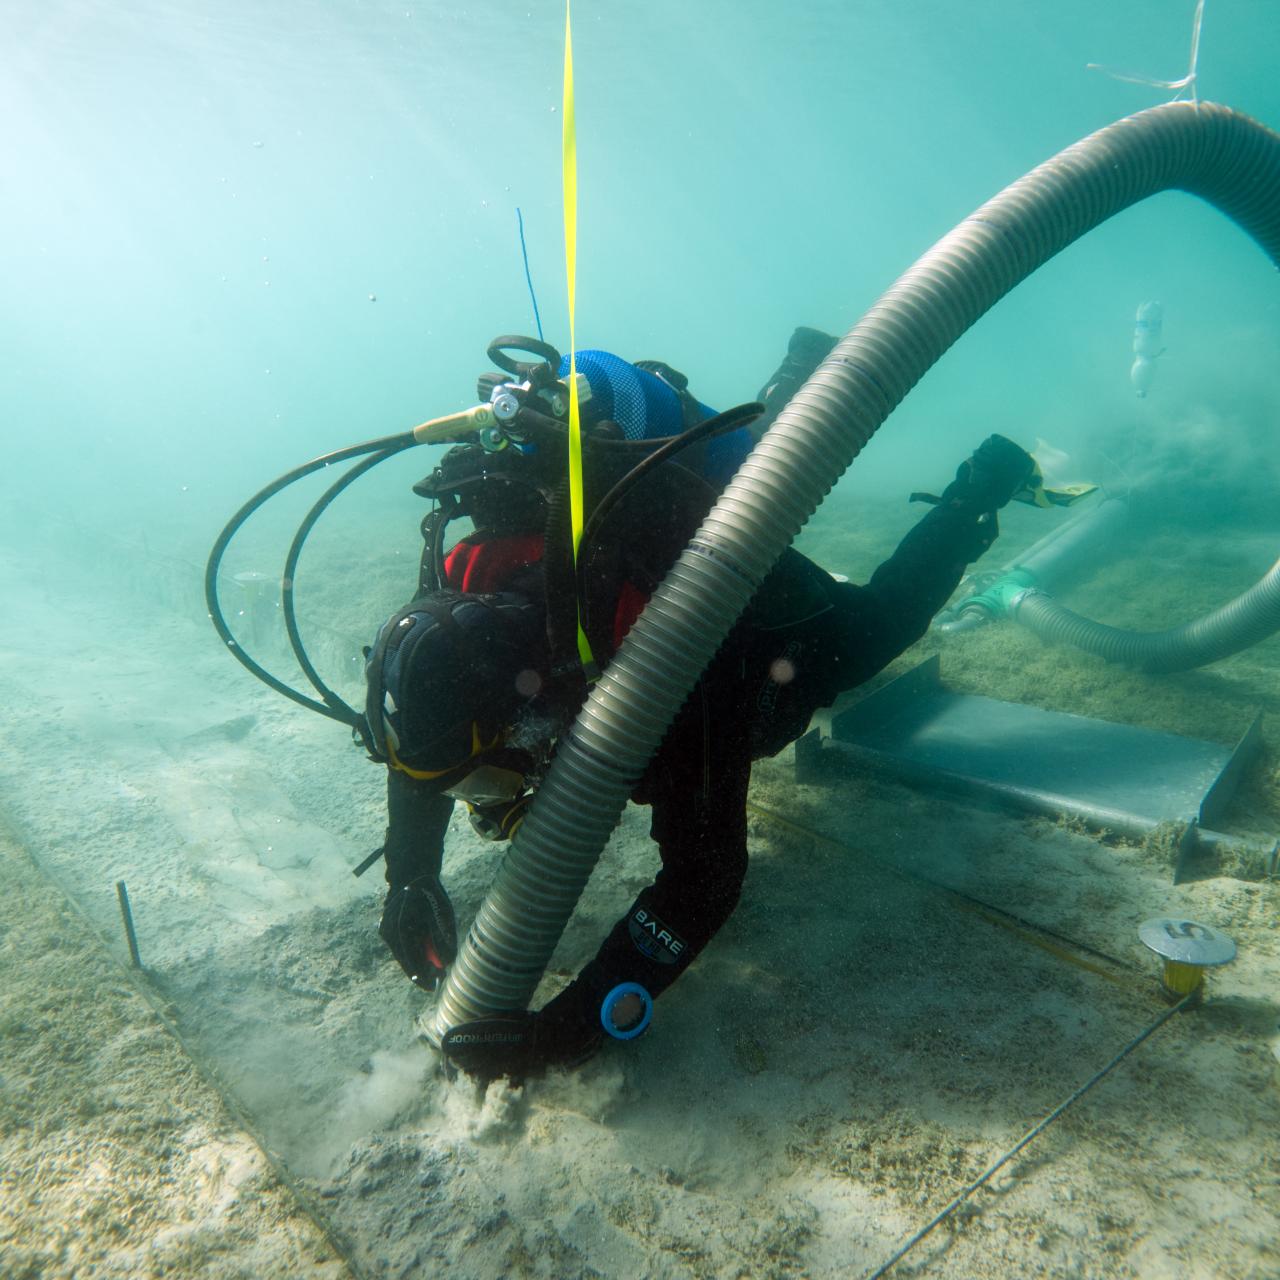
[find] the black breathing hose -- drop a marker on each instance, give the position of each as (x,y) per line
(340,709)
(384,447)
(721,423)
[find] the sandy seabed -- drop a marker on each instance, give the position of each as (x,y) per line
(854,1047)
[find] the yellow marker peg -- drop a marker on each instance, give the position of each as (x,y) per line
(1187,949)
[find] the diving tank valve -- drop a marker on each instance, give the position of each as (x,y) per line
(556,396)
(497,422)
(505,402)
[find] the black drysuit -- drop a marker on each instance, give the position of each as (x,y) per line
(804,639)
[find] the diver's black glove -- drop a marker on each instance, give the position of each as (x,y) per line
(987,481)
(517,1045)
(807,349)
(418,926)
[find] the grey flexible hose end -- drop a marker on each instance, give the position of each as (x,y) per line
(1209,151)
(1239,624)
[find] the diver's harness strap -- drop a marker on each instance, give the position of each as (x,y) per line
(690,410)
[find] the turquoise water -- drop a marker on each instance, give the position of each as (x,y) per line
(201,200)
(238,235)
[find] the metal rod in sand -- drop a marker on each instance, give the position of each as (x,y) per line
(123,894)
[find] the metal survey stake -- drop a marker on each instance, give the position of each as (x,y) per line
(123,894)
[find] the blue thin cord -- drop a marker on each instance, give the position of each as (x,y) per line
(524,253)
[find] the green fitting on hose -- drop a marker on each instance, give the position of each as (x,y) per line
(998,599)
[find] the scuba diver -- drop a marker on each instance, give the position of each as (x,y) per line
(472,683)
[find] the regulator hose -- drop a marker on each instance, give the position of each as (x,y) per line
(721,423)
(1209,151)
(374,451)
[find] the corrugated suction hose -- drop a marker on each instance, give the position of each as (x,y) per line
(1244,621)
(1209,151)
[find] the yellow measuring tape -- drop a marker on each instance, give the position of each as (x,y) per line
(1075,953)
(570,171)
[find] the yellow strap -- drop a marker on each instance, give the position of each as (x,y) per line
(426,775)
(570,170)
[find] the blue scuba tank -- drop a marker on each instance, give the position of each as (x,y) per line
(646,407)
